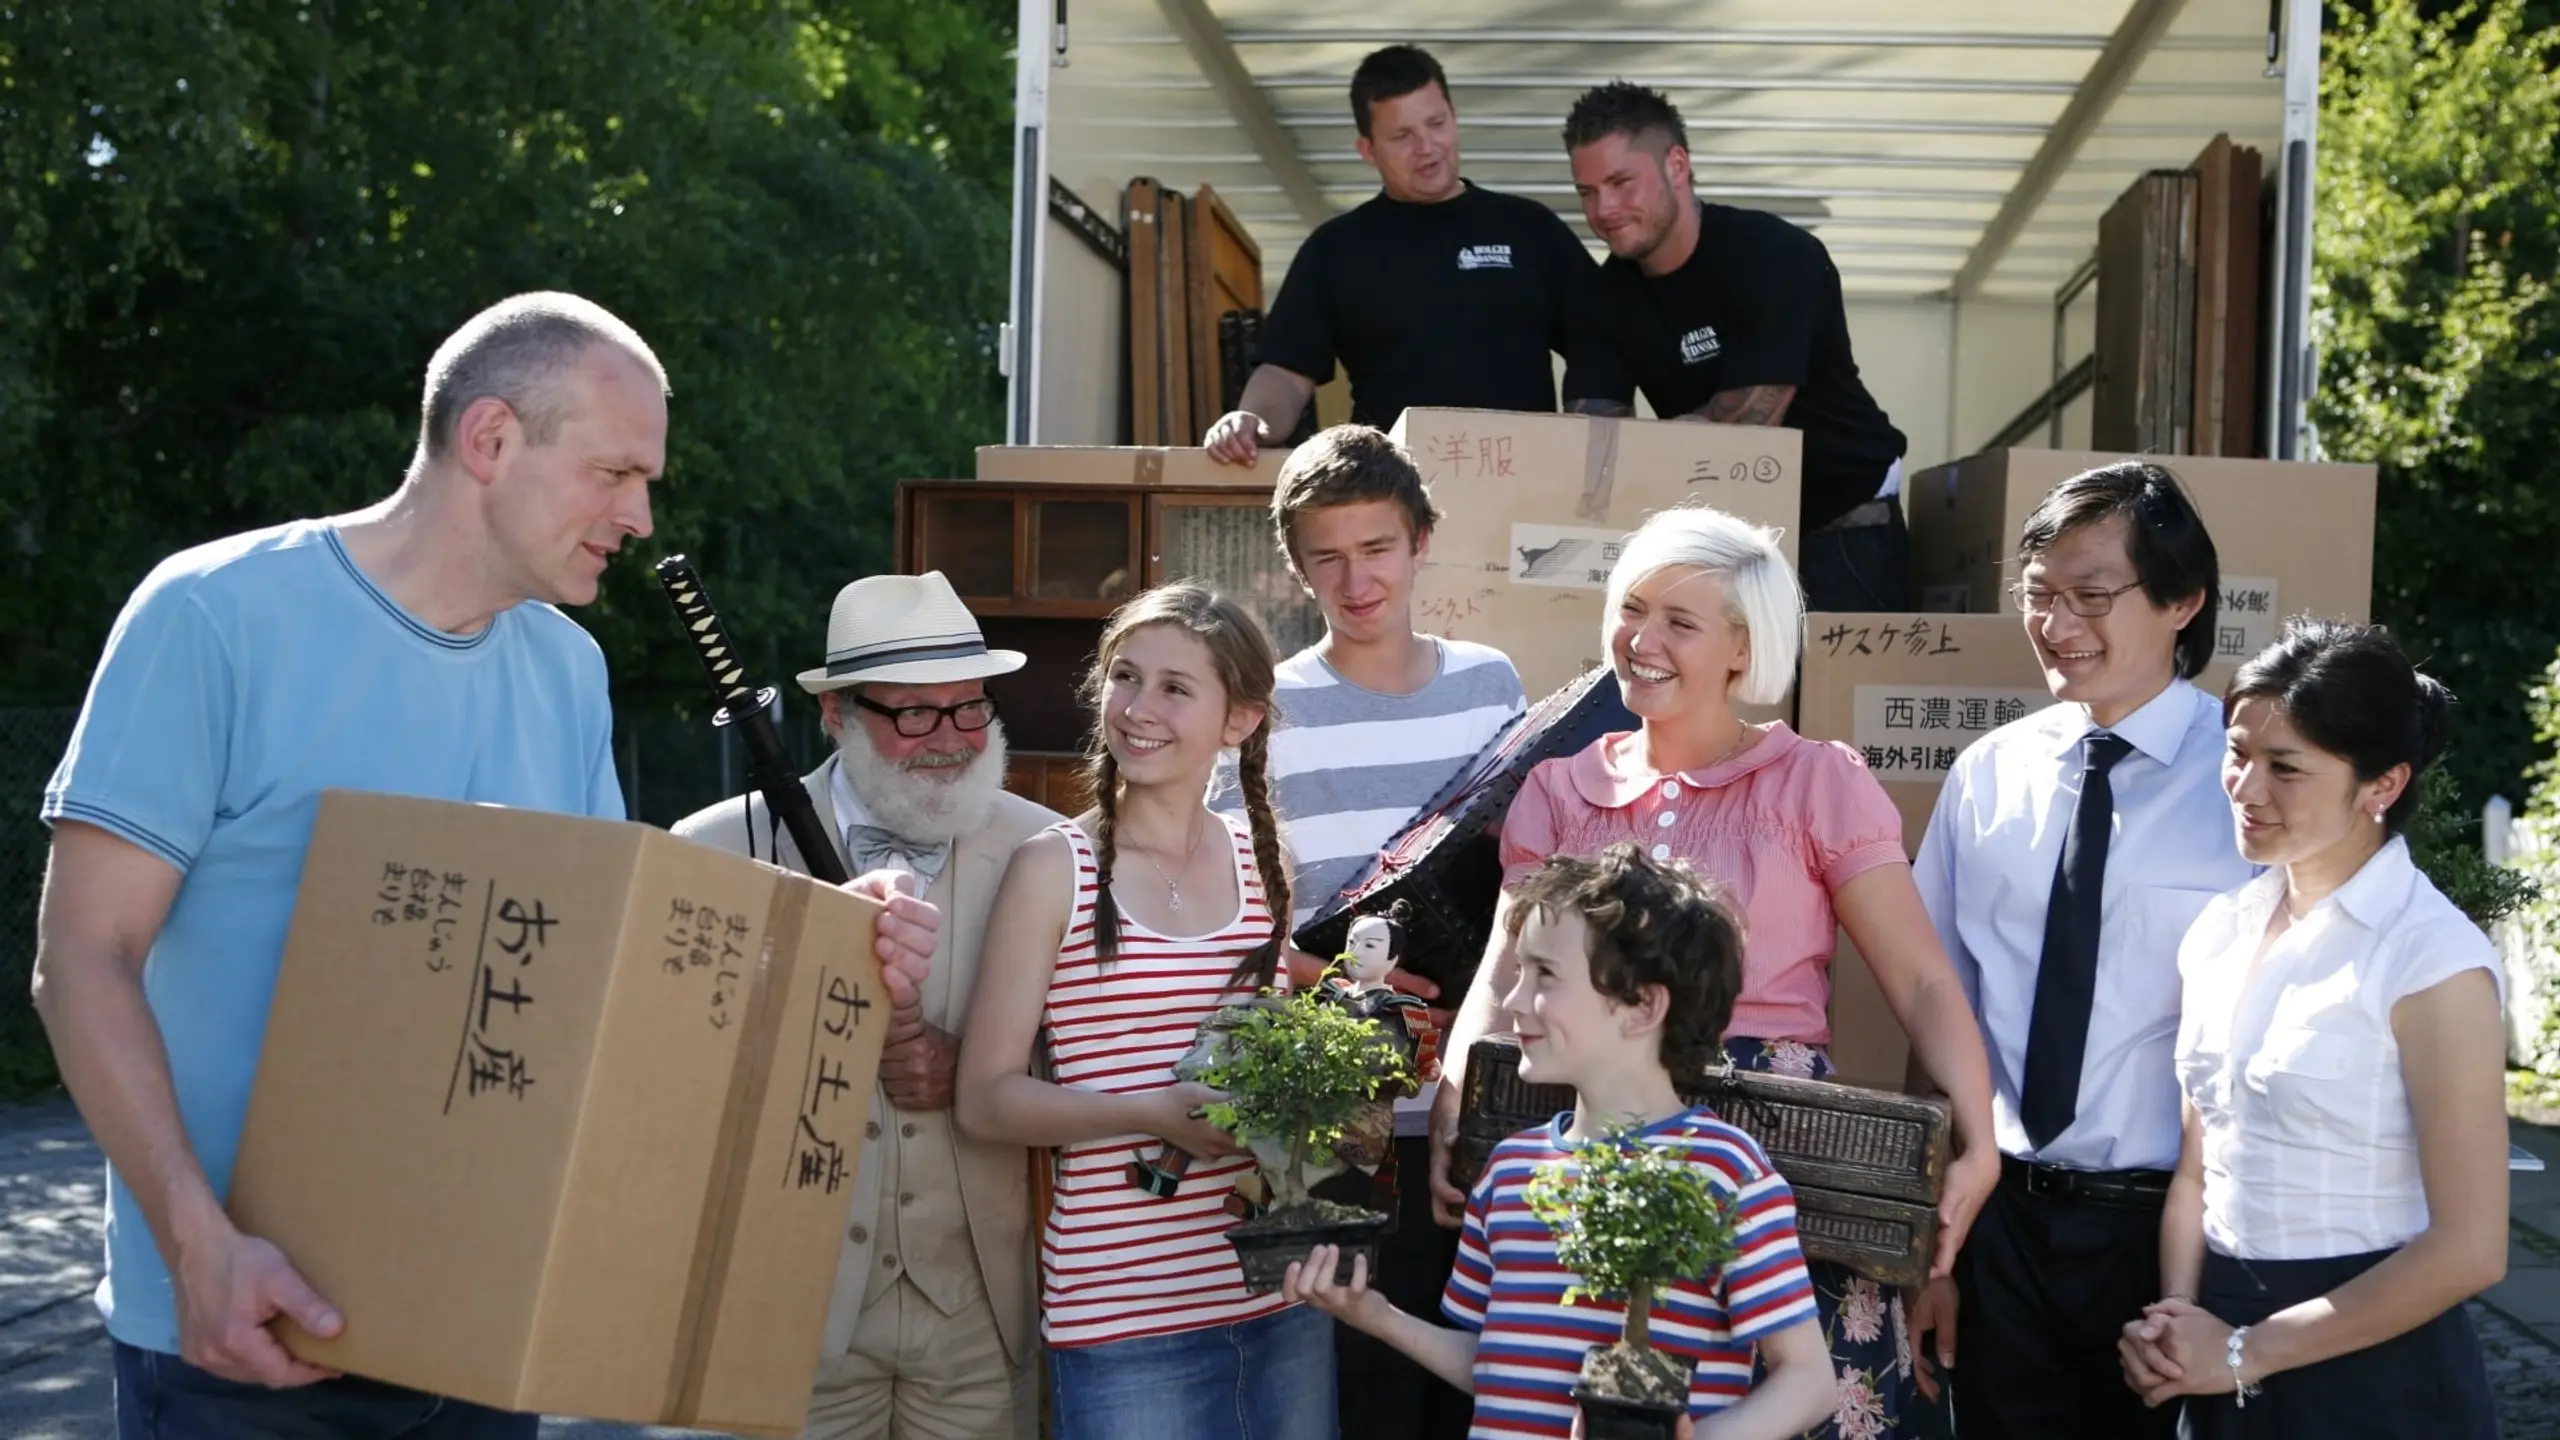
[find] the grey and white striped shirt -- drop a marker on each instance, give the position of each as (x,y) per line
(1350,766)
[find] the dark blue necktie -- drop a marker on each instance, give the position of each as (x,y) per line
(2067,977)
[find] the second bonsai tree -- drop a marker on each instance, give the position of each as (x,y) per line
(1630,1218)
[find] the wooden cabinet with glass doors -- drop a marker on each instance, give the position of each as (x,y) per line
(1043,567)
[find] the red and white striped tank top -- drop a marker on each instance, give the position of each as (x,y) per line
(1117,1263)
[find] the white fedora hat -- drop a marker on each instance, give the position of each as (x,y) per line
(904,630)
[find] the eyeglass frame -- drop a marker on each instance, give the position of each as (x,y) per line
(897,715)
(2020,590)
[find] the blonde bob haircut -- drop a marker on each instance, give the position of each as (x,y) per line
(1760,591)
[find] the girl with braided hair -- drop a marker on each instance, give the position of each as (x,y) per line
(1115,935)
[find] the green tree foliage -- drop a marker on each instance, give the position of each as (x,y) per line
(1630,1217)
(1296,1072)
(2437,239)
(233,231)
(2444,841)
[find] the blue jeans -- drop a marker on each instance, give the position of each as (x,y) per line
(161,1397)
(1266,1379)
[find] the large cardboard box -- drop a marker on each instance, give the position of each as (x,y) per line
(1910,692)
(1534,507)
(2291,538)
(564,1114)
(1140,465)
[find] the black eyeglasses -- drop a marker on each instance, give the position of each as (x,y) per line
(2089,602)
(917,721)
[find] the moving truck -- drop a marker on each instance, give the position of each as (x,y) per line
(1956,158)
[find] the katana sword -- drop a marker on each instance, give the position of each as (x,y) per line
(769,770)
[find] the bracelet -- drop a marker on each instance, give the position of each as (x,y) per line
(2241,1389)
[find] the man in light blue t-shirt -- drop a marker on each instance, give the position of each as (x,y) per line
(1370,722)
(414,647)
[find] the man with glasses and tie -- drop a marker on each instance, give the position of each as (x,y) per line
(931,1335)
(2067,856)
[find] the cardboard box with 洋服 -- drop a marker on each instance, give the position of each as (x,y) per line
(1534,509)
(564,1115)
(2290,538)
(1908,692)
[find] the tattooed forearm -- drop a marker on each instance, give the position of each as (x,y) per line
(1753,405)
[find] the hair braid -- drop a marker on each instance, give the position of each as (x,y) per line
(1105,775)
(1253,778)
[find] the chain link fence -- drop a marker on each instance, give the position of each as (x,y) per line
(671,765)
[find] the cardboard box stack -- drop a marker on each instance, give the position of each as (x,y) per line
(1909,692)
(1534,508)
(564,1115)
(2292,539)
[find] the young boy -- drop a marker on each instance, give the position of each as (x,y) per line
(1628,969)
(1373,720)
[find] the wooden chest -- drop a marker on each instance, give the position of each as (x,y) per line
(1866,1165)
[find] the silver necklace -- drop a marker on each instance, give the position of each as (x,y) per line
(1172,891)
(1745,738)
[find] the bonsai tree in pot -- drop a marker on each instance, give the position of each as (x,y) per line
(1630,1218)
(1310,1084)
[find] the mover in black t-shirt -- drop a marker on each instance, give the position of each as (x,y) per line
(1736,316)
(1433,293)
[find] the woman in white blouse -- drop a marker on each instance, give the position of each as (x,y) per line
(2343,1186)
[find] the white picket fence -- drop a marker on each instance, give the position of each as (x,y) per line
(2529,941)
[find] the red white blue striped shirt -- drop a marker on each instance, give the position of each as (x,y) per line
(1510,1289)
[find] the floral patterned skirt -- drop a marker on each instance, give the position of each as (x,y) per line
(1861,1319)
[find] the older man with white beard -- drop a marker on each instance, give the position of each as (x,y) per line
(932,1333)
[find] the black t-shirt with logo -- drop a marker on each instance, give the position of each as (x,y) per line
(1758,303)
(1458,304)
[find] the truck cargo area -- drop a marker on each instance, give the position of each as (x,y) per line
(1956,159)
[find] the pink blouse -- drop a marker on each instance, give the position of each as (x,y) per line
(1782,827)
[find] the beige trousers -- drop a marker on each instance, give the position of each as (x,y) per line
(914,1373)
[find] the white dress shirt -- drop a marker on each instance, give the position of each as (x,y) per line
(2309,1147)
(1985,873)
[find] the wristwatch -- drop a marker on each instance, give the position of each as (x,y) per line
(2241,1389)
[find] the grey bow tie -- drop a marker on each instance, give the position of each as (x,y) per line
(874,848)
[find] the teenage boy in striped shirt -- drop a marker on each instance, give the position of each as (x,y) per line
(1371,722)
(1628,969)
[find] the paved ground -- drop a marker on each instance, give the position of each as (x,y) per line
(56,1377)
(56,1372)
(2520,1317)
